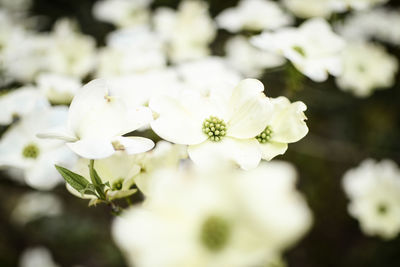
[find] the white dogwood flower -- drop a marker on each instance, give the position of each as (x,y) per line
(131,51)
(27,55)
(20,102)
(207,73)
(325,8)
(313,48)
(286,125)
(58,88)
(248,59)
(363,74)
(373,24)
(35,205)
(214,217)
(253,15)
(310,8)
(37,256)
(187,31)
(21,149)
(345,5)
(17,7)
(221,125)
(98,118)
(70,52)
(123,13)
(374,192)
(137,89)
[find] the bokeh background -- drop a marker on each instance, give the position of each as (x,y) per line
(344,130)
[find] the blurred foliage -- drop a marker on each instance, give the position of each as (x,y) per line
(344,130)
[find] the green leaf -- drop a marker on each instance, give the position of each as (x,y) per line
(77,181)
(89,190)
(96,180)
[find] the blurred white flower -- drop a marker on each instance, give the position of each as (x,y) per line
(138,89)
(187,31)
(313,48)
(70,53)
(222,125)
(250,60)
(345,5)
(130,51)
(214,217)
(374,192)
(253,15)
(206,74)
(164,156)
(123,13)
(366,67)
(58,88)
(27,55)
(20,102)
(118,170)
(286,125)
(324,8)
(379,23)
(37,256)
(9,28)
(63,51)
(35,205)
(16,6)
(98,118)
(20,148)
(309,8)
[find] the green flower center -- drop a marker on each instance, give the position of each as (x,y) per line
(214,128)
(117,185)
(215,233)
(30,151)
(299,50)
(382,209)
(265,135)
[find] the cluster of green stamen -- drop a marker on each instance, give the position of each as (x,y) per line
(214,128)
(215,233)
(265,135)
(117,185)
(382,209)
(30,151)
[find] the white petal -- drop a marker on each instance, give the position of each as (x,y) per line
(312,69)
(245,153)
(58,136)
(43,175)
(92,148)
(272,149)
(249,110)
(86,98)
(175,123)
(134,144)
(288,123)
(136,118)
